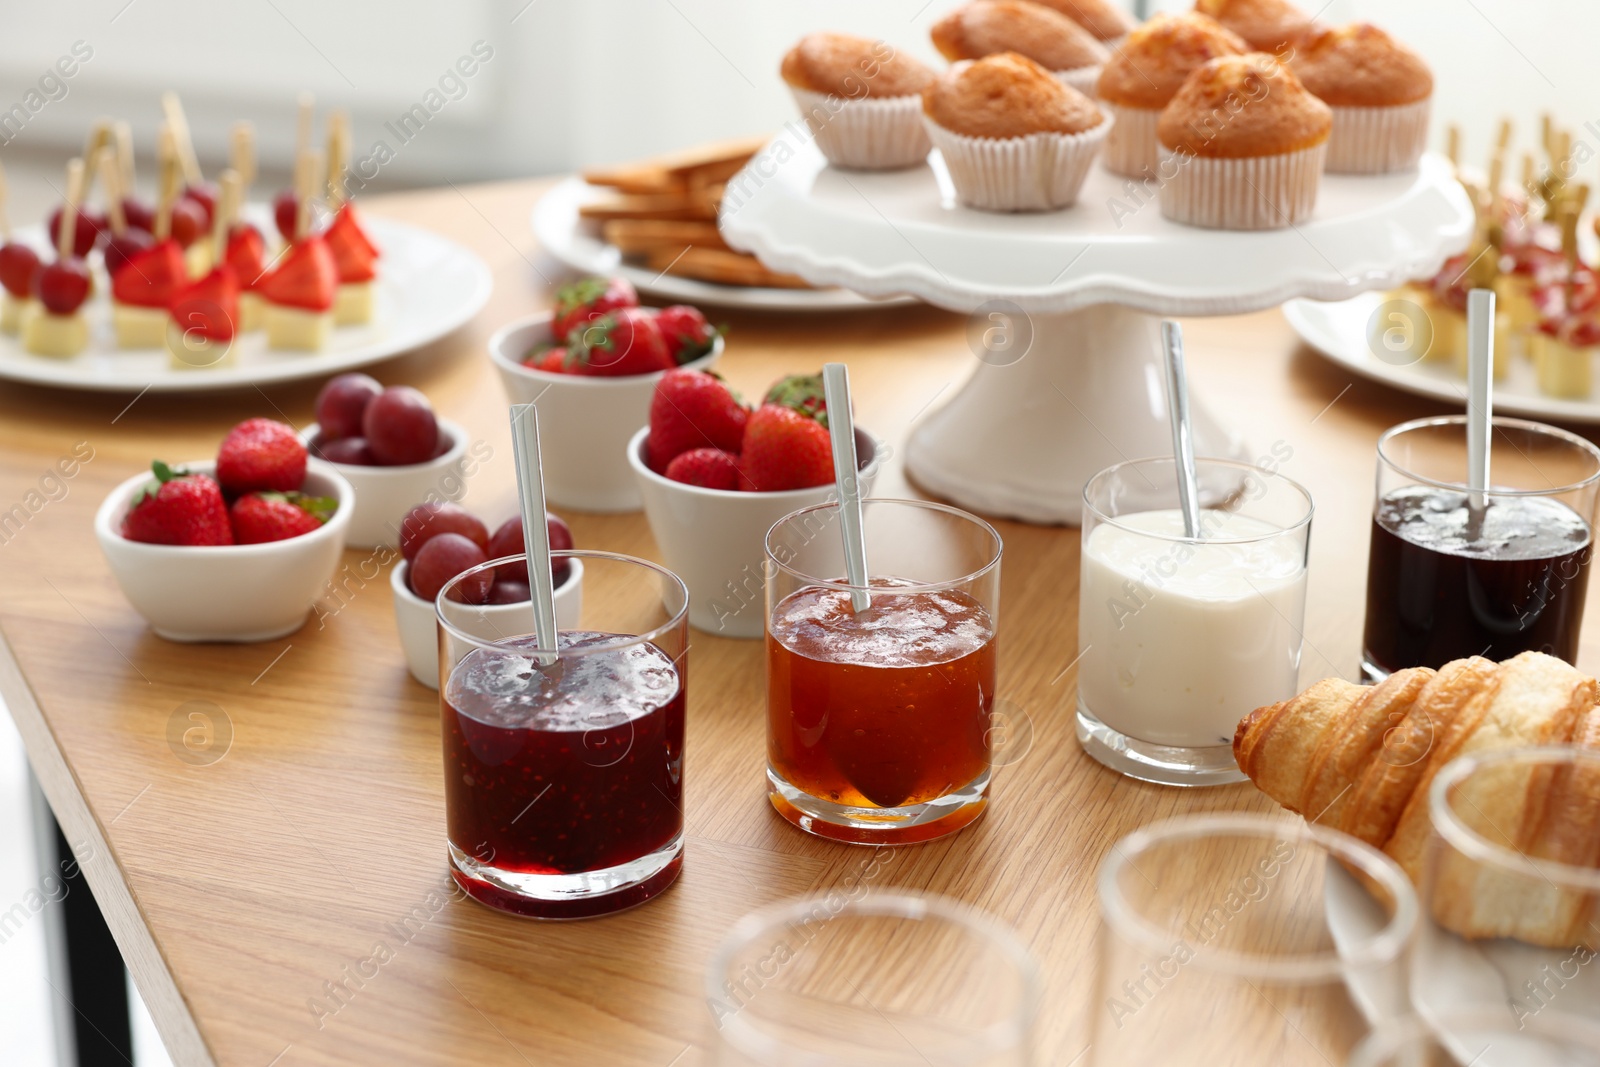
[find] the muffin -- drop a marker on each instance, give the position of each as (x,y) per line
(1380,92)
(1051,40)
(1242,146)
(1144,75)
(861,99)
(1103,19)
(1013,137)
(1266,25)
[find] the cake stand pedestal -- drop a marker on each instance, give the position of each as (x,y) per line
(1065,305)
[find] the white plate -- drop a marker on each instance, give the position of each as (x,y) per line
(1455,974)
(1339,331)
(578,245)
(427,286)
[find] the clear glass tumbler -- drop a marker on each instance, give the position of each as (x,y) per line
(872,980)
(1510,884)
(564,773)
(1447,579)
(878,721)
(1241,940)
(1179,636)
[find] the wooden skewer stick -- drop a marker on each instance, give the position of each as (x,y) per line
(305,191)
(172,108)
(111,181)
(166,156)
(1452,145)
(338,157)
(5,219)
(227,208)
(242,157)
(99,137)
(1546,127)
(123,134)
(1502,140)
(302,136)
(69,212)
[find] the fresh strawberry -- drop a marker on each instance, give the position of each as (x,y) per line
(305,278)
(261,454)
(152,277)
(353,251)
(178,508)
(619,343)
(709,468)
(209,306)
(784,449)
(261,517)
(687,333)
(246,254)
(549,358)
(583,301)
(692,409)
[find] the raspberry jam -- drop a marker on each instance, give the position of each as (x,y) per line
(564,782)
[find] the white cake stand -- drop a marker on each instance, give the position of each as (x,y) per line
(1065,305)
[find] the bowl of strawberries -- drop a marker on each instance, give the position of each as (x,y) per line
(233,549)
(591,364)
(715,474)
(439,540)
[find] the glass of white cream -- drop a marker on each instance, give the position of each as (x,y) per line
(1180,637)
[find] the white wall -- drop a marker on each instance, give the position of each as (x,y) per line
(582,81)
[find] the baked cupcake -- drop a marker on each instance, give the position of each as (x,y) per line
(1013,137)
(1144,75)
(1266,25)
(1050,39)
(1242,145)
(1107,22)
(861,99)
(1380,92)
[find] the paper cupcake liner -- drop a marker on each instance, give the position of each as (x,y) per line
(1039,172)
(1378,140)
(866,133)
(1132,149)
(1083,79)
(1257,193)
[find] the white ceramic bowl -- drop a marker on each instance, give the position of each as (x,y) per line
(715,539)
(584,422)
(385,494)
(419,626)
(226,592)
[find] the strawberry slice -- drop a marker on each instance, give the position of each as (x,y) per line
(305,278)
(353,251)
(210,306)
(246,254)
(152,277)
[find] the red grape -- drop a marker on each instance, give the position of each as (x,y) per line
(507,541)
(84,234)
(444,557)
(204,194)
(123,247)
(342,402)
(504,592)
(18,264)
(427,521)
(188,222)
(63,286)
(351,451)
(399,427)
(138,214)
(285,207)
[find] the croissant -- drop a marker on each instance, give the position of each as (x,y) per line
(1361,759)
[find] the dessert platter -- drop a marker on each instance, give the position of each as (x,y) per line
(1073,278)
(201,289)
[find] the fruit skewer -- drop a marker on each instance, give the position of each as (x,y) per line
(354,254)
(56,326)
(300,291)
(143,287)
(286,205)
(18,264)
(204,317)
(246,248)
(125,241)
(196,190)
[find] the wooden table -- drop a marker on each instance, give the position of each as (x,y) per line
(241,890)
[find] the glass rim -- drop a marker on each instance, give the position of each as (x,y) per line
(1496,422)
(1391,1038)
(1008,1033)
(1383,947)
(911,586)
(1449,825)
(673,622)
(1110,520)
